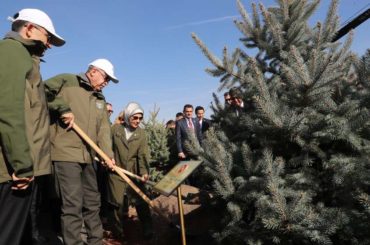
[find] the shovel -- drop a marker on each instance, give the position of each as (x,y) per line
(118,170)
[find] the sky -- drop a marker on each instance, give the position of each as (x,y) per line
(150,45)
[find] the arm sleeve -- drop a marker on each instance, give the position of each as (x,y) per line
(105,135)
(15,63)
(53,88)
(143,155)
(198,131)
(178,137)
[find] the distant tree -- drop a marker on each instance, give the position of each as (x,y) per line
(295,167)
(157,139)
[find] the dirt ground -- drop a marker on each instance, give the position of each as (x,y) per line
(165,233)
(198,220)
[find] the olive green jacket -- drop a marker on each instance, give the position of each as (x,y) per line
(73,93)
(132,155)
(24,118)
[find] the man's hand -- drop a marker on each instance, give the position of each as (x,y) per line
(238,102)
(181,155)
(145,177)
(111,164)
(68,118)
(21,183)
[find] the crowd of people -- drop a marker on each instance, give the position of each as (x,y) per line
(44,159)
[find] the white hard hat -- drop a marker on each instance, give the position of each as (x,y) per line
(39,18)
(106,66)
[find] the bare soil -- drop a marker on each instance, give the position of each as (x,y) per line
(198,221)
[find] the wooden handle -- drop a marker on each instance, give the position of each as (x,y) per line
(148,182)
(118,170)
(86,138)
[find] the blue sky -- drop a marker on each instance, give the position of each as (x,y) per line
(150,45)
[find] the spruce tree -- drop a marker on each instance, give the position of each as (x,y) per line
(360,87)
(157,139)
(294,168)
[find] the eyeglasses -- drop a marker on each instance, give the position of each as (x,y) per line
(110,111)
(104,75)
(137,118)
(47,35)
(229,99)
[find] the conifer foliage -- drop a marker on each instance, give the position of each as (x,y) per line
(294,167)
(157,139)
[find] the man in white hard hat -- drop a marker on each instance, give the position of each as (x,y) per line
(24,118)
(78,98)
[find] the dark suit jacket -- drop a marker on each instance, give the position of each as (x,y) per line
(182,133)
(206,123)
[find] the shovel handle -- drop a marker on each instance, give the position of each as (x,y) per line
(148,182)
(104,156)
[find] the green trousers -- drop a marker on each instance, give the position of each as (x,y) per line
(80,202)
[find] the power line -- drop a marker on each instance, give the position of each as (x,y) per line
(349,18)
(352,24)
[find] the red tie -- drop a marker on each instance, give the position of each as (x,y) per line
(190,123)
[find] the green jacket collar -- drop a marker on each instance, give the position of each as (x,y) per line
(35,47)
(84,81)
(15,36)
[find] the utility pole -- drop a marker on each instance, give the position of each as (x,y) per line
(352,24)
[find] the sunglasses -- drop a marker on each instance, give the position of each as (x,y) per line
(47,35)
(137,118)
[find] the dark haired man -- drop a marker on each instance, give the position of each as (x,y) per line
(24,118)
(179,116)
(204,123)
(237,103)
(109,109)
(185,128)
(227,98)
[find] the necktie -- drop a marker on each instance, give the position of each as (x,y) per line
(190,123)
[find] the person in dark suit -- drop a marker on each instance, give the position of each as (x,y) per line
(237,103)
(204,123)
(179,116)
(184,129)
(228,99)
